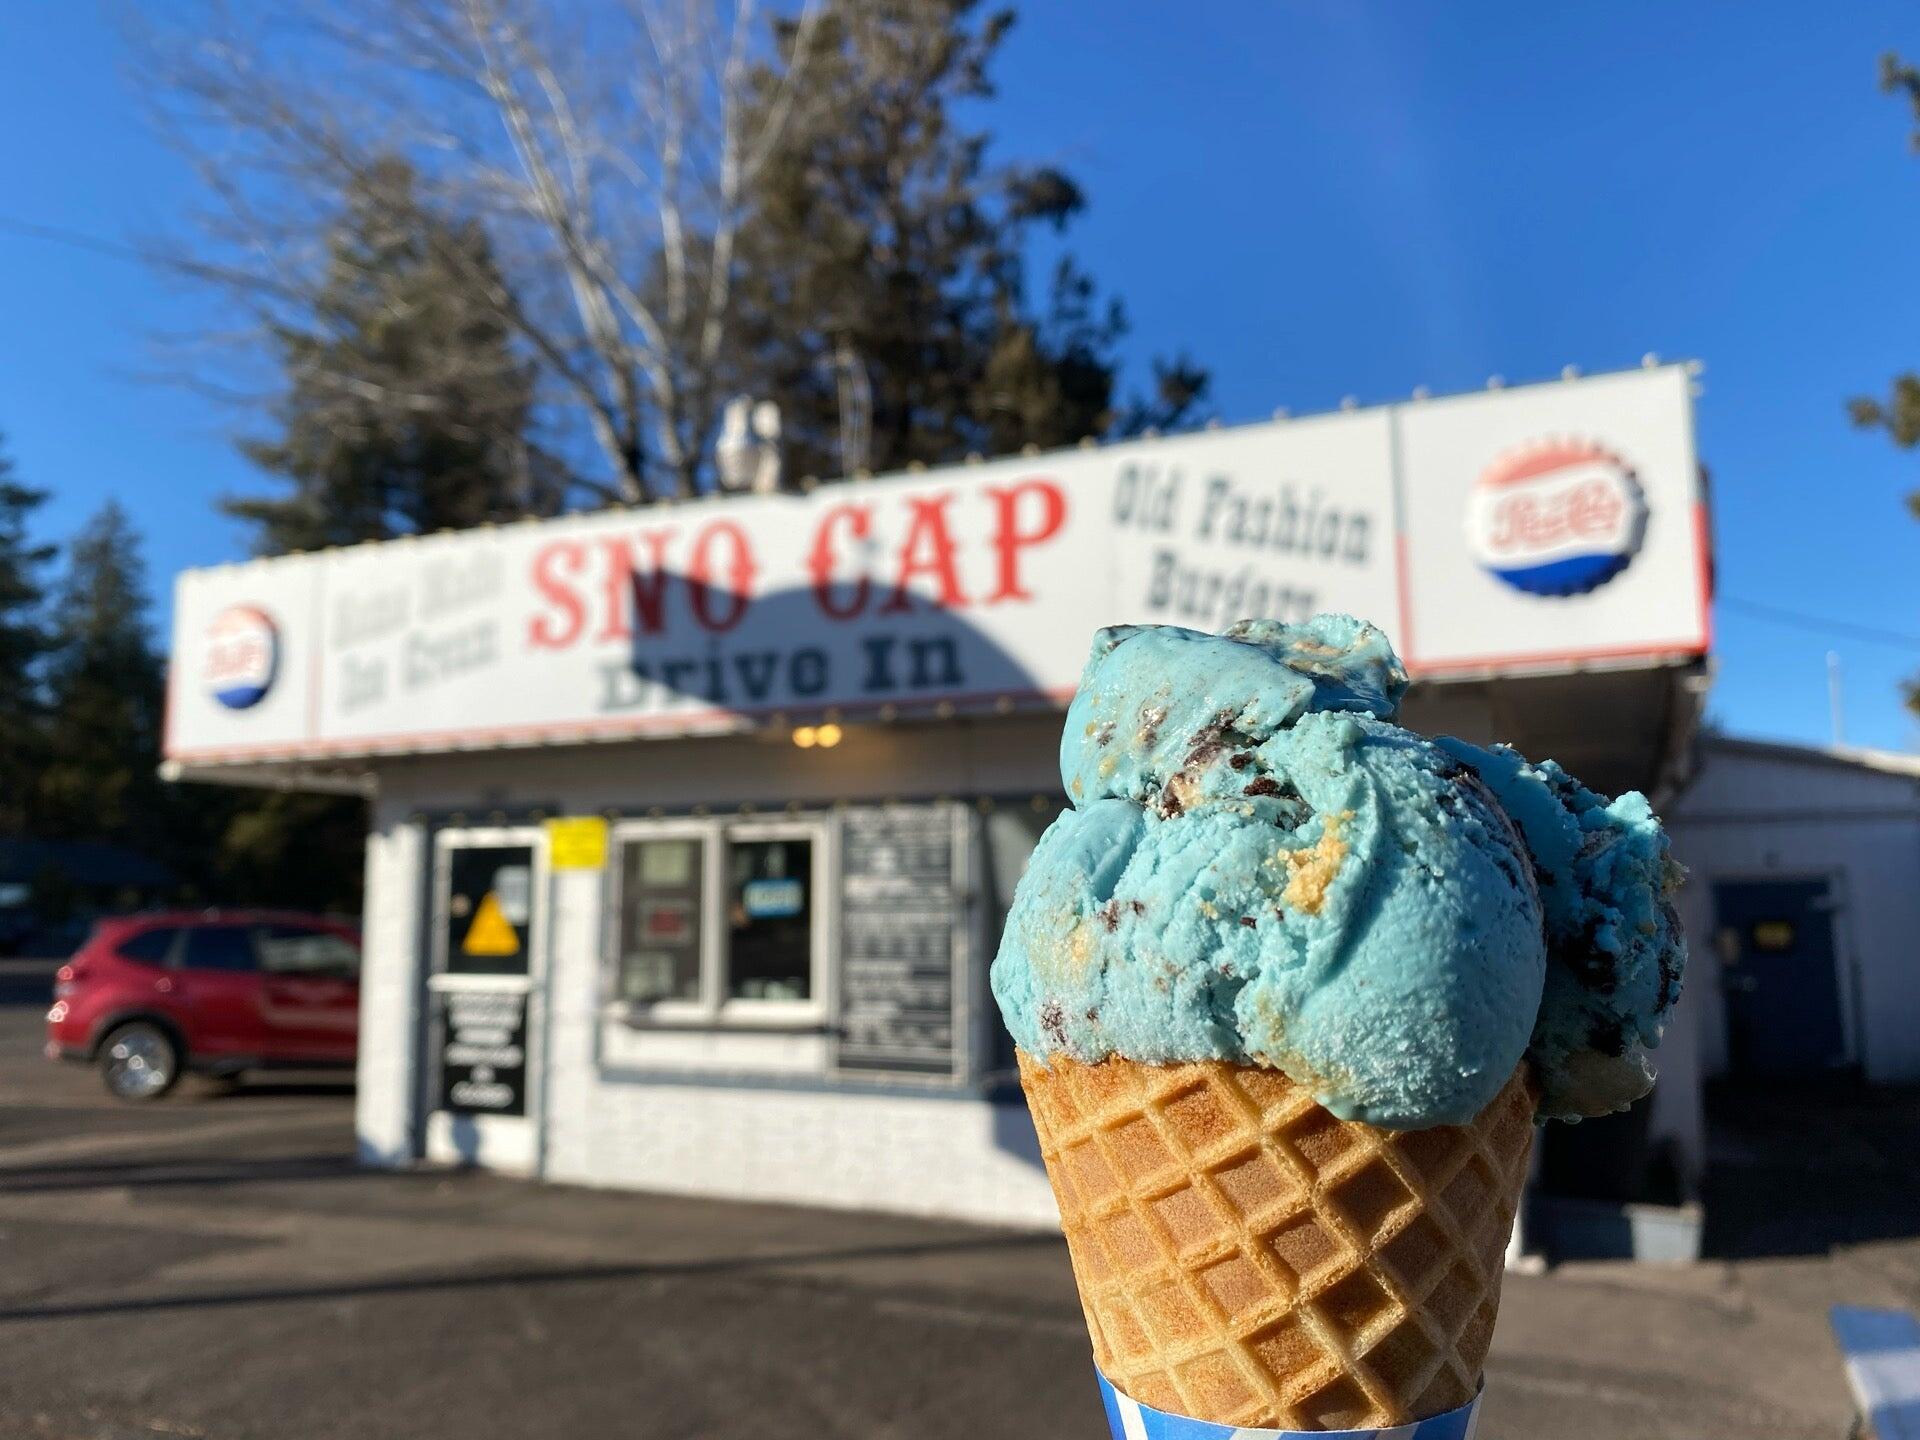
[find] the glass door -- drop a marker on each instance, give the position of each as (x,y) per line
(486,999)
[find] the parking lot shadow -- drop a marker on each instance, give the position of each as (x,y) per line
(257,1085)
(152,1174)
(1804,1167)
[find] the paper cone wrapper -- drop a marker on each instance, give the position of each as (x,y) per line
(1128,1419)
(1248,1259)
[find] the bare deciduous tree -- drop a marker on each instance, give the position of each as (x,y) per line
(608,150)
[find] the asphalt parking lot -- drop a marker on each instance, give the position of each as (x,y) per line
(216,1266)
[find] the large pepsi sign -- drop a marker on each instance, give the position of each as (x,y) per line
(1559,518)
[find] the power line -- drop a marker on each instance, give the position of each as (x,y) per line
(158,259)
(1870,634)
(54,234)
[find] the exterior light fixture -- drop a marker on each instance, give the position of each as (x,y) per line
(827,736)
(805,736)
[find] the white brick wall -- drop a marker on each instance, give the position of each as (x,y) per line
(958,1157)
(925,1155)
(388,988)
(1760,811)
(882,1152)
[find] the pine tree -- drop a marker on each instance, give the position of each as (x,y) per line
(96,774)
(405,408)
(290,848)
(23,644)
(884,285)
(104,690)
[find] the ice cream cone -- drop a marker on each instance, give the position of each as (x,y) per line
(1247,1258)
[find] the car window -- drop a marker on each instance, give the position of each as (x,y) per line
(150,947)
(219,947)
(302,950)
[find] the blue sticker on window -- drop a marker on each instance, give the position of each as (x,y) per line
(772,899)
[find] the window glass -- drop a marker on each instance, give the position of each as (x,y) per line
(489,909)
(219,947)
(302,950)
(660,899)
(151,947)
(1011,831)
(770,919)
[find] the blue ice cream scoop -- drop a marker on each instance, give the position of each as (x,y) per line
(1261,867)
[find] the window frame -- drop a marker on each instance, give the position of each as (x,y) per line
(624,834)
(715,1008)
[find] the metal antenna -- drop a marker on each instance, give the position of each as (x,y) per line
(855,394)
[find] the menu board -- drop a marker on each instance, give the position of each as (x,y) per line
(483,1052)
(898,912)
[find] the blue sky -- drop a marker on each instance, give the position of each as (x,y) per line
(1316,200)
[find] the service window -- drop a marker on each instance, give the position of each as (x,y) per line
(662,880)
(720,921)
(770,918)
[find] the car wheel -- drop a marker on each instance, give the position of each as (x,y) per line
(139,1061)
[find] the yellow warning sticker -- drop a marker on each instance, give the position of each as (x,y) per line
(491,932)
(577,842)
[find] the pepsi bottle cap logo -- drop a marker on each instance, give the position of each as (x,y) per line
(242,656)
(1559,518)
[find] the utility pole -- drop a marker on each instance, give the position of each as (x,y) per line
(1833,698)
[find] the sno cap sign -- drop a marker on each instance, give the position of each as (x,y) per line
(1559,518)
(243,654)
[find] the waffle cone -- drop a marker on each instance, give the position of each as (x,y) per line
(1247,1258)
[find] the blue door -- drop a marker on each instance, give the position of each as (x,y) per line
(1778,971)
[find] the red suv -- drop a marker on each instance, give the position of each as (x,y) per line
(149,996)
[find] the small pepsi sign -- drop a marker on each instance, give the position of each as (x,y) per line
(1559,518)
(243,655)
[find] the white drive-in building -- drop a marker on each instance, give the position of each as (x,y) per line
(694,825)
(1804,889)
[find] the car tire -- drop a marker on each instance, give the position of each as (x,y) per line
(140,1061)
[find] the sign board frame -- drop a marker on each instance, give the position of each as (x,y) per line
(966,590)
(961,952)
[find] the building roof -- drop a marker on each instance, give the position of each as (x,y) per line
(1886,762)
